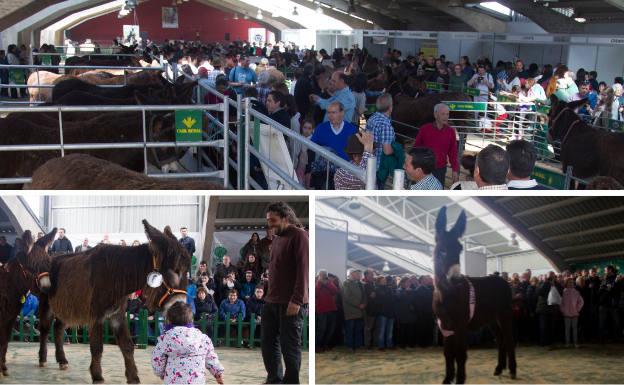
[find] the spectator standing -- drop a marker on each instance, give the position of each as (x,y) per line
(522,158)
(571,305)
(380,125)
(275,104)
(385,317)
(369,316)
(492,168)
(252,246)
(287,296)
(186,241)
(83,247)
(340,92)
(359,148)
(609,297)
(419,166)
(442,139)
(325,314)
(335,132)
(354,307)
(359,93)
(5,250)
(482,81)
(242,76)
(458,80)
(61,245)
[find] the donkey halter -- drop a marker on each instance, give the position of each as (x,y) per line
(170,291)
(578,120)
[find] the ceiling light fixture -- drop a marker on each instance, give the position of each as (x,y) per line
(386,267)
(294,12)
(259,15)
(235,16)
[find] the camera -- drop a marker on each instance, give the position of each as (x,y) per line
(480,79)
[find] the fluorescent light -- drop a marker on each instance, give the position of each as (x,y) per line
(496,7)
(580,19)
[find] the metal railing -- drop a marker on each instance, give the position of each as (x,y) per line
(368,176)
(144,145)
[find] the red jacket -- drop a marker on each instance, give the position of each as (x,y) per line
(442,142)
(325,297)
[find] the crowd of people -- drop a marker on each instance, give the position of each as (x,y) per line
(379,311)
(325,99)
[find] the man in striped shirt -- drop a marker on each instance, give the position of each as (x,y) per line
(419,166)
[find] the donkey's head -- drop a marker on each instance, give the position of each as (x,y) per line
(36,259)
(448,248)
(562,115)
(172,261)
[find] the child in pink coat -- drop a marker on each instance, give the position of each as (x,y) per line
(571,305)
(183,353)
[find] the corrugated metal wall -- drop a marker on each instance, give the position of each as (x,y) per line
(123,214)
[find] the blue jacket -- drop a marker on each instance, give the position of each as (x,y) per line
(191,293)
(344,96)
(324,136)
(247,289)
(242,75)
(234,309)
(30,306)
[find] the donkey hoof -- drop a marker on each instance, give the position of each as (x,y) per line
(43,364)
(134,381)
(98,381)
(498,372)
(63,366)
(5,373)
(512,375)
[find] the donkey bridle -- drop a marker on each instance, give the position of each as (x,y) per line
(578,120)
(170,291)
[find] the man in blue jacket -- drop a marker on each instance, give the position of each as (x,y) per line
(242,76)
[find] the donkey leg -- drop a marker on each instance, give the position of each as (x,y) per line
(97,347)
(498,332)
(124,341)
(45,322)
(449,356)
(461,355)
(5,336)
(59,330)
(509,344)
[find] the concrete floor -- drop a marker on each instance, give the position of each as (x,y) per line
(242,366)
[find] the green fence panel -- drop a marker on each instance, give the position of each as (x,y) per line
(227,324)
(32,328)
(106,332)
(256,135)
(51,333)
(239,332)
(252,331)
(21,329)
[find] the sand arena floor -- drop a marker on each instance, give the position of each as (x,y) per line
(242,366)
(536,365)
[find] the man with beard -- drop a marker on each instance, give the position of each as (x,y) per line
(287,296)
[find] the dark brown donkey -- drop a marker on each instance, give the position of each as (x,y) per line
(465,303)
(15,282)
(88,288)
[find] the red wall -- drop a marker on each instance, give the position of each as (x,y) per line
(193,17)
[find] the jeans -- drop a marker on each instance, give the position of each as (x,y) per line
(571,323)
(354,333)
(385,327)
(325,326)
(440,174)
(281,337)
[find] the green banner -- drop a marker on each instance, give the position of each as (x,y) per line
(467,106)
(548,177)
(188,125)
(433,86)
(17,76)
(473,91)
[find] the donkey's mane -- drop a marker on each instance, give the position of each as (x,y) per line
(124,268)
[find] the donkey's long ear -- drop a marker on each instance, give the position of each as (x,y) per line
(28,241)
(460,226)
(441,221)
(47,239)
(153,234)
(169,233)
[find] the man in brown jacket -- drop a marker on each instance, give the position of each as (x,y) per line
(287,296)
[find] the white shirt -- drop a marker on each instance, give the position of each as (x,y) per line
(522,184)
(339,130)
